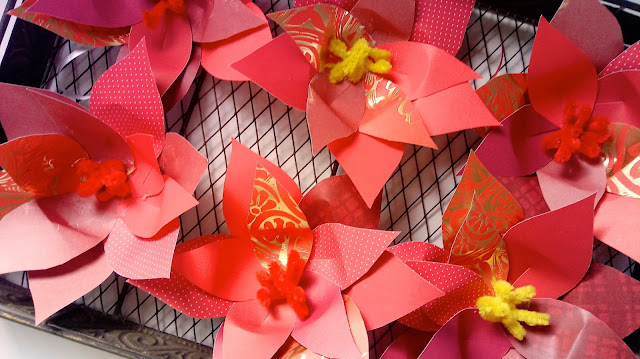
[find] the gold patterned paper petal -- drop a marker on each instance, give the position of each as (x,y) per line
(11,195)
(276,223)
(479,247)
(621,157)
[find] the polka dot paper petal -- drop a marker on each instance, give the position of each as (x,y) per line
(419,251)
(628,60)
(126,98)
(141,258)
(442,23)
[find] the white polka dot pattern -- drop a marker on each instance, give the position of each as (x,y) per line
(343,254)
(418,251)
(628,60)
(126,98)
(442,23)
(141,258)
(185,297)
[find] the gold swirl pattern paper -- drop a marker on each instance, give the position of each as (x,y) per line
(621,158)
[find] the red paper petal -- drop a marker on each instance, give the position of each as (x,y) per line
(368,161)
(183,83)
(540,254)
(345,4)
(125,97)
(253,331)
(594,293)
(559,72)
(225,267)
(115,13)
(141,258)
(168,47)
(602,43)
(185,297)
(616,223)
(573,333)
(390,281)
(146,180)
(454,109)
(336,200)
(55,288)
(526,190)
(419,251)
(408,345)
(287,80)
(628,60)
(180,161)
(218,20)
(344,254)
(386,23)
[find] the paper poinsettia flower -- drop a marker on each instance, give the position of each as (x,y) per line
(180,34)
(367,91)
(282,282)
(488,251)
(581,132)
(105,185)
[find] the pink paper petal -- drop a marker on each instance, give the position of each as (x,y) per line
(573,333)
(541,255)
(125,97)
(468,336)
(602,43)
(593,293)
(32,119)
(438,69)
(368,161)
(334,111)
(409,345)
(454,109)
(183,83)
(356,324)
(326,331)
(442,23)
(628,60)
(218,20)
(566,183)
(141,258)
(336,200)
(514,149)
(386,23)
(180,161)
(390,281)
(253,331)
(185,297)
(146,216)
(52,231)
(218,350)
(146,180)
(287,80)
(616,223)
(343,254)
(419,251)
(53,289)
(168,47)
(559,73)
(116,13)
(618,97)
(513,354)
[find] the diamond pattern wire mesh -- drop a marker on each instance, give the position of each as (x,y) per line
(413,199)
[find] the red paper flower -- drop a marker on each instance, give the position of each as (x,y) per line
(334,64)
(133,179)
(290,280)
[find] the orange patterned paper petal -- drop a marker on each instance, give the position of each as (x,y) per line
(622,160)
(83,34)
(500,207)
(276,223)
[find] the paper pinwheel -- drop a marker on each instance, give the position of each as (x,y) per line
(180,34)
(367,91)
(581,132)
(487,252)
(106,185)
(277,277)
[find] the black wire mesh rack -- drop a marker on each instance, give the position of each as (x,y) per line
(414,199)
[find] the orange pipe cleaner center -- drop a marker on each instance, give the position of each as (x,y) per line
(106,179)
(580,132)
(280,283)
(152,18)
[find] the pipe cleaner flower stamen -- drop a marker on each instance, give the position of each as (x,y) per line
(503,308)
(152,18)
(581,132)
(106,179)
(360,57)
(280,283)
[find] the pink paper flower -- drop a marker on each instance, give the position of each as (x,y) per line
(68,243)
(325,306)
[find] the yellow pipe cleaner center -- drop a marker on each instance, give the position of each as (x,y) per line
(502,308)
(361,56)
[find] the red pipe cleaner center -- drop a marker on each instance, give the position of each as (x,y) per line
(280,283)
(580,132)
(152,18)
(106,179)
